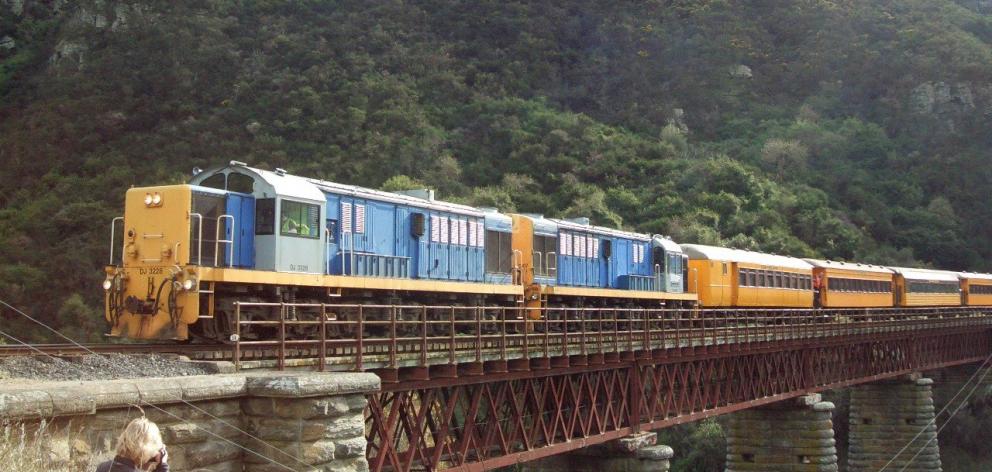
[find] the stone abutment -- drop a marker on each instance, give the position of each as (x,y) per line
(255,422)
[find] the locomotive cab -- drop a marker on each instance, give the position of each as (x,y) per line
(151,287)
(668,259)
(172,236)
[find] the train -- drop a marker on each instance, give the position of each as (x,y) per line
(183,256)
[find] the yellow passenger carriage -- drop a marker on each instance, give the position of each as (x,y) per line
(852,285)
(976,289)
(725,277)
(925,287)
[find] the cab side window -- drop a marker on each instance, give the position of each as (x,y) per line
(299,219)
(265,216)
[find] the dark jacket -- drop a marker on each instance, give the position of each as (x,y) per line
(120,464)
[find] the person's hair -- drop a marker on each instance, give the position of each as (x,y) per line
(140,441)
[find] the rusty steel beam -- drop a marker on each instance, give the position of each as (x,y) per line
(484,422)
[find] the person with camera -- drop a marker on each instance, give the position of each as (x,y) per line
(139,449)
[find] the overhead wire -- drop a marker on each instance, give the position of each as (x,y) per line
(948,421)
(198,409)
(173,415)
(936,415)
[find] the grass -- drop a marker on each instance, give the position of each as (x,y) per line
(37,448)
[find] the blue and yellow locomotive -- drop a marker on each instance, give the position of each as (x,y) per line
(237,233)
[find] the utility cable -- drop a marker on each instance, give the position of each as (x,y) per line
(191,405)
(960,405)
(174,416)
(936,415)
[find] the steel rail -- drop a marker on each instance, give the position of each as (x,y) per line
(63,350)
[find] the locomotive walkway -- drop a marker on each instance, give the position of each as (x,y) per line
(477,389)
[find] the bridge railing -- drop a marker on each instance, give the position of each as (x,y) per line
(365,337)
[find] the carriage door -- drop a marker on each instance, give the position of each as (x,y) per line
(240,229)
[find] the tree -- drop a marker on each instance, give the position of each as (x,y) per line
(401,182)
(784,157)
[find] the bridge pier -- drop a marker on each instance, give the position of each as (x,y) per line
(789,436)
(885,418)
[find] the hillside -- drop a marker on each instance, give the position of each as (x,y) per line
(844,129)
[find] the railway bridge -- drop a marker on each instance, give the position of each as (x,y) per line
(473,388)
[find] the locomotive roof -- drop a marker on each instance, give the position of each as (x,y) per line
(666,243)
(926,274)
(283,185)
(574,226)
(313,189)
(289,185)
(699,251)
(849,266)
(333,187)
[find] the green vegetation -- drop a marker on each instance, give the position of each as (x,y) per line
(699,446)
(41,448)
(837,128)
(841,129)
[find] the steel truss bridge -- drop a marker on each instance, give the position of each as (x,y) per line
(476,388)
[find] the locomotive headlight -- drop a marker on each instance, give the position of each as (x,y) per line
(156,199)
(107,284)
(148,199)
(188,284)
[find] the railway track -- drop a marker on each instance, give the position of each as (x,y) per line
(394,344)
(63,350)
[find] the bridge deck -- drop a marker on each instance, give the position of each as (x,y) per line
(476,389)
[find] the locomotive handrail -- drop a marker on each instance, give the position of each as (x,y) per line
(199,238)
(516,259)
(113,226)
(344,252)
(547,264)
(328,255)
(218,241)
(537,263)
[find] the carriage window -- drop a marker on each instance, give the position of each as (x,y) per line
(761,279)
(240,183)
(218,181)
(742,278)
(265,216)
(751,279)
(724,268)
(933,287)
(301,220)
(981,289)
